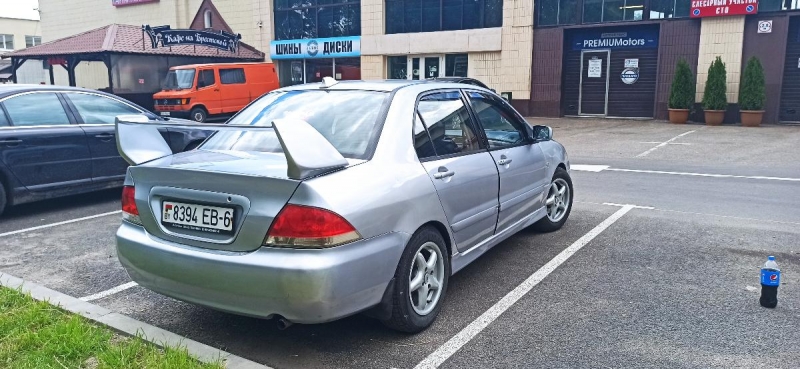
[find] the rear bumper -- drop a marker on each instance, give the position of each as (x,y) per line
(304,286)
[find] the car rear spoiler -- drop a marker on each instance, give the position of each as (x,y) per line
(307,152)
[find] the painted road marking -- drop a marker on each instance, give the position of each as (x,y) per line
(473,329)
(662,144)
(109,292)
(59,223)
(671,143)
(600,168)
(588,168)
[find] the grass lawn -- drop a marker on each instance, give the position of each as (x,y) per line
(37,335)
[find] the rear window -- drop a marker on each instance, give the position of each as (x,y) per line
(231,76)
(348,119)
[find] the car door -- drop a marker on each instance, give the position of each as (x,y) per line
(208,91)
(235,94)
(96,114)
(521,163)
(461,169)
(43,147)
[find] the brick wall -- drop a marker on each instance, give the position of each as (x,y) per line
(721,36)
(677,40)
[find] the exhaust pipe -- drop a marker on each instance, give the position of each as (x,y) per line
(283,324)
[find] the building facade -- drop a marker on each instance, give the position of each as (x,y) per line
(616,58)
(603,58)
(18,34)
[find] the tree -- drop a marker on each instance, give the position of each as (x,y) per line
(681,95)
(715,94)
(752,90)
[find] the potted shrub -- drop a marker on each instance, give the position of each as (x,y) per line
(752,93)
(681,94)
(715,99)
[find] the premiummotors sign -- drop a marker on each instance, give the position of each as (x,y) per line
(634,38)
(317,48)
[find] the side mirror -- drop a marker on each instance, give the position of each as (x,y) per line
(542,133)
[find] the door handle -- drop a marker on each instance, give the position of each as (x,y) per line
(443,173)
(104,135)
(216,90)
(11,142)
(504,160)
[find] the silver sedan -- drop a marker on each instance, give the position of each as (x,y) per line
(325,200)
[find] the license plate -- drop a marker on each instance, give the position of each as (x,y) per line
(203,218)
(164,113)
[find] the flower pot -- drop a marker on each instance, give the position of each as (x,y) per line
(751,118)
(678,116)
(714,117)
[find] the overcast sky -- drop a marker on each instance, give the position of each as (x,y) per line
(19,9)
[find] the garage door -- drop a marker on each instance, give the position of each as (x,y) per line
(790,90)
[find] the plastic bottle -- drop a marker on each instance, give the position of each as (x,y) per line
(770,280)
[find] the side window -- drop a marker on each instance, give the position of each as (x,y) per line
(206,78)
(36,109)
(98,109)
(422,140)
(449,123)
(231,76)
(502,127)
(3,119)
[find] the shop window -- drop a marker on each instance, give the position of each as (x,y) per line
(300,19)
(554,12)
(663,9)
(595,11)
(455,65)
(406,16)
(32,41)
(774,5)
(347,69)
(398,67)
(7,42)
(231,76)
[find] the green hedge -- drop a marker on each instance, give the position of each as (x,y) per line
(752,91)
(681,95)
(714,96)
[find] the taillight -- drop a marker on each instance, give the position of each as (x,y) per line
(129,210)
(309,227)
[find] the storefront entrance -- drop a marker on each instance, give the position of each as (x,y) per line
(593,94)
(311,60)
(424,67)
(416,67)
(610,71)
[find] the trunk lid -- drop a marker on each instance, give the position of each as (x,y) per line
(254,185)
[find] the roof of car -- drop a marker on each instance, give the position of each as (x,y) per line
(374,85)
(14,88)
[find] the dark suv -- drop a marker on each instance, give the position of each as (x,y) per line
(57,141)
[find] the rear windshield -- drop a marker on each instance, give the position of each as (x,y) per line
(346,118)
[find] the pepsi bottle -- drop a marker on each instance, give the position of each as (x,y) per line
(770,280)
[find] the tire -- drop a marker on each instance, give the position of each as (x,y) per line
(198,115)
(554,221)
(407,314)
(3,198)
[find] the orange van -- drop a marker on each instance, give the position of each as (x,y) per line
(202,90)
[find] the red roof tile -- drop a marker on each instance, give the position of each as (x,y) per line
(127,39)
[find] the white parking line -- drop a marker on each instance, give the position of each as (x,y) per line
(473,329)
(600,168)
(109,292)
(58,223)
(665,143)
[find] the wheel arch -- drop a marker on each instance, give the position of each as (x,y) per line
(442,229)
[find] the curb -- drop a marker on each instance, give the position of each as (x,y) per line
(127,325)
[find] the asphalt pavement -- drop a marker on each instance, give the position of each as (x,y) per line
(671,283)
